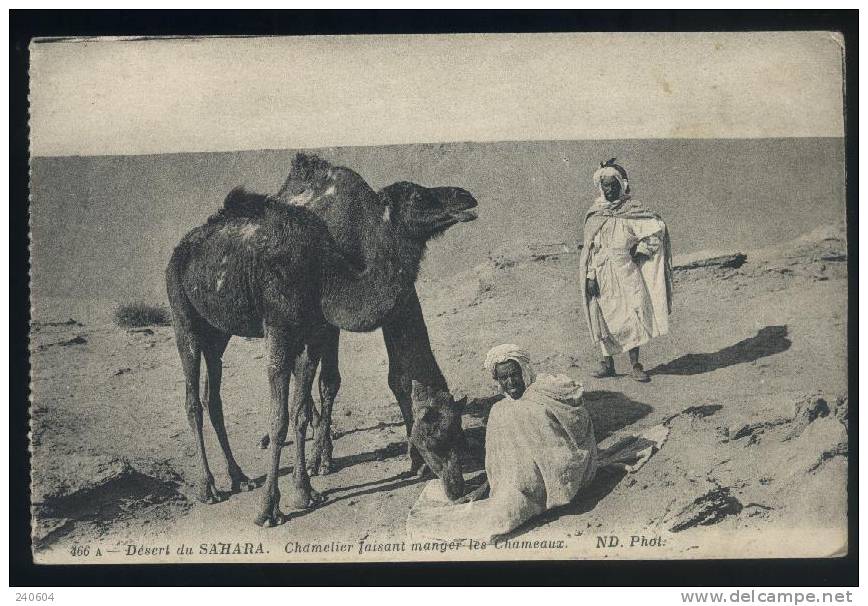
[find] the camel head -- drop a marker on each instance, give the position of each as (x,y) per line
(438,436)
(423,213)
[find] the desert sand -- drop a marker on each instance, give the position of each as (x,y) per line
(751,382)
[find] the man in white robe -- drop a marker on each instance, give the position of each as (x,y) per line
(540,451)
(626,272)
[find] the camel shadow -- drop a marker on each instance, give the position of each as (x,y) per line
(389,451)
(340,434)
(359,490)
(374,486)
(767,341)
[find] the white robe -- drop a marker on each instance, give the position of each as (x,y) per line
(539,452)
(633,304)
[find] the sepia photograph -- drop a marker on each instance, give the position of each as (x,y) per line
(438,298)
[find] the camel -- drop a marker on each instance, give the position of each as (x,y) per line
(404,331)
(260,267)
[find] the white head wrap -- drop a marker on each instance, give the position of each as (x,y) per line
(508,351)
(610,169)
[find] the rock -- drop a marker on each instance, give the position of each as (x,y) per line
(840,449)
(101,480)
(805,412)
(122,371)
(45,531)
(757,509)
(705,259)
(78,340)
(144,331)
(702,411)
(842,411)
(745,430)
(56,484)
(69,322)
(512,253)
(706,510)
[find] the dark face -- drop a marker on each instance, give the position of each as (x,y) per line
(438,436)
(611,188)
(508,375)
(427,212)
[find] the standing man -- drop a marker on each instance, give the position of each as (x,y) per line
(626,272)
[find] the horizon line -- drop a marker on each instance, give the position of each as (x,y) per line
(452,142)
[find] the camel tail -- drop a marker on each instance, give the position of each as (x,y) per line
(174,271)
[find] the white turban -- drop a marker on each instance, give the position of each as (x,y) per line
(508,351)
(609,169)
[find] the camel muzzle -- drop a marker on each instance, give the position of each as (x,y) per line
(461,206)
(463,216)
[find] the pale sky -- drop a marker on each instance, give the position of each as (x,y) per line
(103,96)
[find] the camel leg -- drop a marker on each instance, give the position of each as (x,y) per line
(213,353)
(399,383)
(329,384)
(300,413)
(191,358)
(283,349)
(410,356)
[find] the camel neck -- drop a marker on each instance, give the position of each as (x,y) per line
(361,301)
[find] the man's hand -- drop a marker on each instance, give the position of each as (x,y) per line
(592,288)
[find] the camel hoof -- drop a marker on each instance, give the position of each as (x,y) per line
(322,468)
(209,494)
(424,471)
(307,499)
(313,468)
(242,484)
(271,519)
(264,441)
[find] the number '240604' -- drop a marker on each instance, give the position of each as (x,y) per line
(34,597)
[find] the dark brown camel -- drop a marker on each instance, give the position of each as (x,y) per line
(404,330)
(262,268)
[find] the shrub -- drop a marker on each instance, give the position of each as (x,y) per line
(134,315)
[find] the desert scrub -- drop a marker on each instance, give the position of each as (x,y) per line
(137,314)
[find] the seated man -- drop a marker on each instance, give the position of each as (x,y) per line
(540,451)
